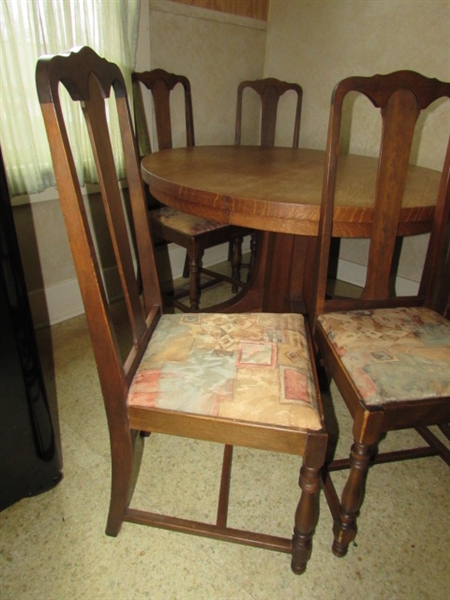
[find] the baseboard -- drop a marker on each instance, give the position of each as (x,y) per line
(62,301)
(355,274)
(57,303)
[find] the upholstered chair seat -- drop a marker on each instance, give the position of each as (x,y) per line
(187,224)
(392,354)
(260,361)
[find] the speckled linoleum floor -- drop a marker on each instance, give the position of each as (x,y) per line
(53,546)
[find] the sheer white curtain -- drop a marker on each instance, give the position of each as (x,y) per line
(29,29)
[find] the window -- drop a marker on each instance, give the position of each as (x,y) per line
(31,29)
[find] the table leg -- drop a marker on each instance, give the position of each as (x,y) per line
(290,279)
(279,276)
(282,273)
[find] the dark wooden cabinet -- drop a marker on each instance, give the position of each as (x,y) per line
(30,460)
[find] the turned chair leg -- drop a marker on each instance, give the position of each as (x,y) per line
(352,497)
(195,265)
(306,517)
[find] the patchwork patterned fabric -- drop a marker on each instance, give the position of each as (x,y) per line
(393,354)
(182,222)
(247,367)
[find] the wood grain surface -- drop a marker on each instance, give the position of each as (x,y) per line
(279,189)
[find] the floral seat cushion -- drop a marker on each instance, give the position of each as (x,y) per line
(393,354)
(245,367)
(180,221)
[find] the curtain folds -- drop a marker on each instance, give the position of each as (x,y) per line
(31,29)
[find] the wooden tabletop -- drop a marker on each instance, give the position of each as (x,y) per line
(279,189)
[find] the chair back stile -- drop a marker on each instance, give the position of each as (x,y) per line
(115,377)
(439,245)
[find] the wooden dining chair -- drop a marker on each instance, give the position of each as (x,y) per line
(388,354)
(233,379)
(269,91)
(193,233)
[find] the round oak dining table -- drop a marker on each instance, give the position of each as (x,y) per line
(279,190)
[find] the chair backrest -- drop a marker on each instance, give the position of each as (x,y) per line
(90,80)
(270,90)
(400,97)
(161,83)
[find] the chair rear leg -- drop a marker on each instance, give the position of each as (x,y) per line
(306,517)
(345,527)
(236,262)
(122,459)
